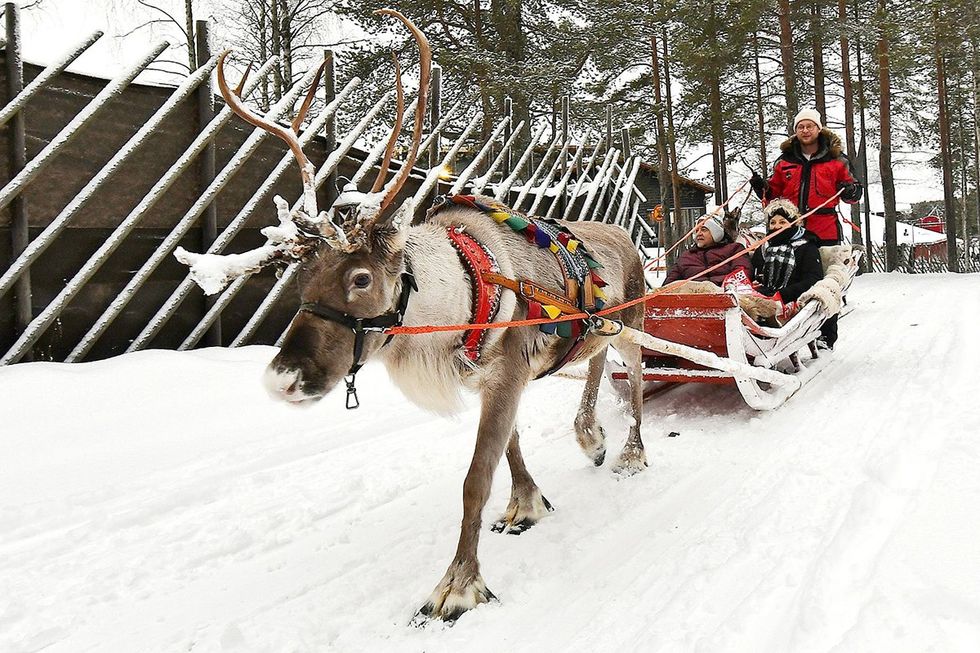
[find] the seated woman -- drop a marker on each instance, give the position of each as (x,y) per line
(789,264)
(711,246)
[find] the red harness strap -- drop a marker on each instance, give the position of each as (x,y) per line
(486,296)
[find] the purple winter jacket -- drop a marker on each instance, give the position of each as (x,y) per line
(697,259)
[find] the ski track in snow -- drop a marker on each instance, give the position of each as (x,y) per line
(160,501)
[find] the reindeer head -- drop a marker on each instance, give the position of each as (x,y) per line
(354,278)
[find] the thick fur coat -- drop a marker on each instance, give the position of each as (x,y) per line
(430,369)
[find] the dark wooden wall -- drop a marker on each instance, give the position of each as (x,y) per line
(46,114)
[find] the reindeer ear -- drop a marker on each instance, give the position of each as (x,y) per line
(730,223)
(390,235)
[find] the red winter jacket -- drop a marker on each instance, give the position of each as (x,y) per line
(697,260)
(810,182)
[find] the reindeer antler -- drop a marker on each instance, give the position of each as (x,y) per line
(289,136)
(334,234)
(395,130)
(425,64)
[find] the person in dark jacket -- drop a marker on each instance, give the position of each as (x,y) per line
(789,264)
(712,246)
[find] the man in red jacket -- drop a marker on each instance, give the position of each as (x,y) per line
(810,170)
(711,246)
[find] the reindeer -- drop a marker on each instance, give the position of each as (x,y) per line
(369,268)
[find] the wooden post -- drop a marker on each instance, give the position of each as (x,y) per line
(627,150)
(17,159)
(660,237)
(206,167)
(328,192)
(508,132)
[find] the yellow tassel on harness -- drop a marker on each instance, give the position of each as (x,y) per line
(552,311)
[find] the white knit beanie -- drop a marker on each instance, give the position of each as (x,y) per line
(713,224)
(808,114)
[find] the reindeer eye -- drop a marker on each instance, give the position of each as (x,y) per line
(362,280)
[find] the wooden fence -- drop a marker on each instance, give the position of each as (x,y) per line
(107,178)
(922,260)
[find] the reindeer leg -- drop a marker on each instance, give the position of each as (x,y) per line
(527,505)
(462,588)
(633,458)
(588,432)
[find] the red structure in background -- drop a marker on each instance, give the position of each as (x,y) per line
(933,223)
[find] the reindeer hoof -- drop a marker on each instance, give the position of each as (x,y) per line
(448,603)
(599,458)
(630,462)
(592,439)
(522,514)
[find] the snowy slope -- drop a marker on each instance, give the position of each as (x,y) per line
(160,501)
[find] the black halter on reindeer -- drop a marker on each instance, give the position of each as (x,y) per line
(370,267)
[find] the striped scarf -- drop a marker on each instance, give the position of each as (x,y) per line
(779,257)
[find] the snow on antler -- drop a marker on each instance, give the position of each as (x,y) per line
(293,239)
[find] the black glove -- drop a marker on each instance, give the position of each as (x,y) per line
(765,290)
(758,184)
(850,191)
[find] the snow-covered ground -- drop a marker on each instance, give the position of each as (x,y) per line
(159,501)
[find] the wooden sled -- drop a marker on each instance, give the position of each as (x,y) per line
(707,338)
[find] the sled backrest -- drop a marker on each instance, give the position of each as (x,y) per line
(693,320)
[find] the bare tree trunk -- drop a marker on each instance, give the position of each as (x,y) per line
(759,107)
(863,149)
(189,27)
(717,126)
(789,70)
(845,54)
(662,167)
(507,19)
(264,51)
(715,168)
(819,90)
(976,132)
(963,162)
(723,162)
(286,35)
(949,199)
(276,23)
(675,181)
(885,155)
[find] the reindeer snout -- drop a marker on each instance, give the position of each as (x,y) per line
(284,383)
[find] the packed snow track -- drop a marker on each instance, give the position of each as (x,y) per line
(160,501)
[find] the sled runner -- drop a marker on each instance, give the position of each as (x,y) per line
(708,338)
